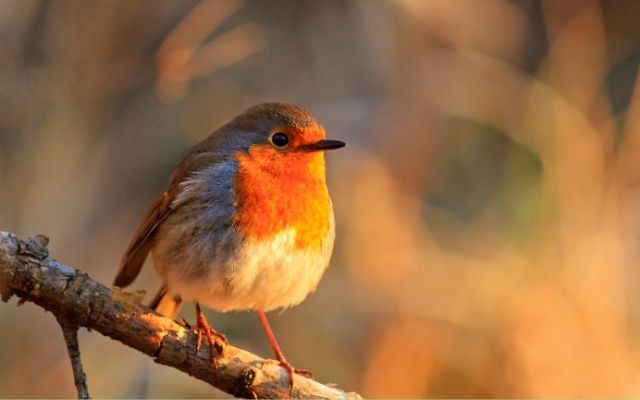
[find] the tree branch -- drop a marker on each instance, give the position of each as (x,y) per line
(70,333)
(73,297)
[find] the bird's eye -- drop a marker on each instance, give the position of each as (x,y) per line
(279,139)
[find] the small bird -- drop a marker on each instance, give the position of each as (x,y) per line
(246,222)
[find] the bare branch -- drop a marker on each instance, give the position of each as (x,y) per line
(70,333)
(72,296)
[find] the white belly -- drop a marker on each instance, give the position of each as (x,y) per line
(260,275)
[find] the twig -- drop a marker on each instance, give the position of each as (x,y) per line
(70,333)
(72,296)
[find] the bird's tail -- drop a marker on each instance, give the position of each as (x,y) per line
(166,303)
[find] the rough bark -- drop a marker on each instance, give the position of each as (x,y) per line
(73,297)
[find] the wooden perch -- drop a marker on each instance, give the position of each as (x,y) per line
(77,300)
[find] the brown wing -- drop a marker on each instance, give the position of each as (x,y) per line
(142,242)
(198,157)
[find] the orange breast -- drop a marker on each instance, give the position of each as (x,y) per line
(277,191)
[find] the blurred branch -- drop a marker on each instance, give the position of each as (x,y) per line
(186,53)
(73,297)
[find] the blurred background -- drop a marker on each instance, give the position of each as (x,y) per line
(487,207)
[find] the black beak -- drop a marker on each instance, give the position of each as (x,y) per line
(323,145)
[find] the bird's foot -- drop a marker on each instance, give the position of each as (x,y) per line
(217,341)
(291,370)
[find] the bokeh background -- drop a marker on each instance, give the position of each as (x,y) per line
(488,204)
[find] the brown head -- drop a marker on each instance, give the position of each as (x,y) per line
(287,127)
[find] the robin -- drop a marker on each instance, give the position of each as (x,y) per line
(246,222)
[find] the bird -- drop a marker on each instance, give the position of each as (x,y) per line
(245,223)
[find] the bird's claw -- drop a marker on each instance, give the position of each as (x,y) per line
(217,341)
(291,370)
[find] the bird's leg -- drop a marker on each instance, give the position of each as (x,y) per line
(278,353)
(216,340)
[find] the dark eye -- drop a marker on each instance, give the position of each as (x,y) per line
(279,139)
